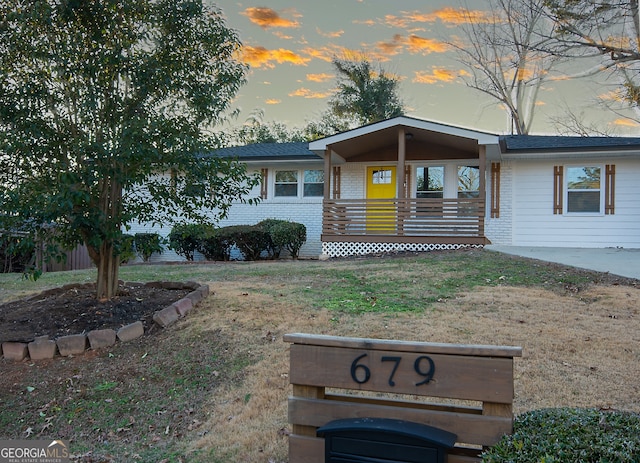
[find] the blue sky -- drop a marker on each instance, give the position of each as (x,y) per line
(289,46)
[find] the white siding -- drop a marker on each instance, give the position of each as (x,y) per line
(534,223)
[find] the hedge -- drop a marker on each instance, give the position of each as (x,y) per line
(570,435)
(267,238)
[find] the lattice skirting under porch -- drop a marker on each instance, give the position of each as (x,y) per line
(344,249)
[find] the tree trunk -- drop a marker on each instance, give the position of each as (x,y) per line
(106,259)
(108,267)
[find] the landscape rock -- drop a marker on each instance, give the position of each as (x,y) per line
(166,316)
(73,344)
(131,331)
(101,338)
(15,351)
(42,348)
(183,306)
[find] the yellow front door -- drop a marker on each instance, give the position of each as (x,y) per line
(381,184)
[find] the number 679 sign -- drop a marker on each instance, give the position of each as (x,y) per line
(423,369)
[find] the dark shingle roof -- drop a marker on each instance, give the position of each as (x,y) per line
(299,151)
(511,143)
(269,151)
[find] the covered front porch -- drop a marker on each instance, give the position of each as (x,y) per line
(361,216)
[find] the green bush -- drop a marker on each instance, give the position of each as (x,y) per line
(125,248)
(16,253)
(251,240)
(270,236)
(290,236)
(269,225)
(146,244)
(216,243)
(185,239)
(570,435)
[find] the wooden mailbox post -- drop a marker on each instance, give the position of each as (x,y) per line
(327,373)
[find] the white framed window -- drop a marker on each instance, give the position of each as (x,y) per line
(305,183)
(313,183)
(286,183)
(583,189)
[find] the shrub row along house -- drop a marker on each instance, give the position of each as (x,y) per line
(407,184)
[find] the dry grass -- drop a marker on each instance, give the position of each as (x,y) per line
(579,350)
(580,334)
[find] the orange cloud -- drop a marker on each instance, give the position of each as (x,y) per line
(327,53)
(282,35)
(416,44)
(331,35)
(319,77)
(626,122)
(392,48)
(266,18)
(306,93)
(272,101)
(364,22)
(437,75)
(460,16)
(613,95)
(447,15)
(260,57)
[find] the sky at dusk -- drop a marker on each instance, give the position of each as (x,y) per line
(289,46)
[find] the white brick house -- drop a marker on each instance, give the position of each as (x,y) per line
(411,184)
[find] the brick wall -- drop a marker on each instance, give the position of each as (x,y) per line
(499,230)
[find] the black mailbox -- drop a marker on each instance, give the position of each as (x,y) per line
(383,440)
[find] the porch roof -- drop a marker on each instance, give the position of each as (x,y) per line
(358,143)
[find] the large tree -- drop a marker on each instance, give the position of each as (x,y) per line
(606,30)
(502,51)
(256,130)
(366,93)
(99,100)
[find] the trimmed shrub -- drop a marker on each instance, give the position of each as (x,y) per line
(216,243)
(570,435)
(290,236)
(184,239)
(274,249)
(251,240)
(146,244)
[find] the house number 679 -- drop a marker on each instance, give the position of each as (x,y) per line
(423,366)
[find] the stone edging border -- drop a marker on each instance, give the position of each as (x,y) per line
(43,348)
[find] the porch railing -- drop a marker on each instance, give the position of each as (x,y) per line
(417,217)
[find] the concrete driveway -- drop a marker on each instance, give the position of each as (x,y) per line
(617,261)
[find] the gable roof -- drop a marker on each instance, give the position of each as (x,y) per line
(410,123)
